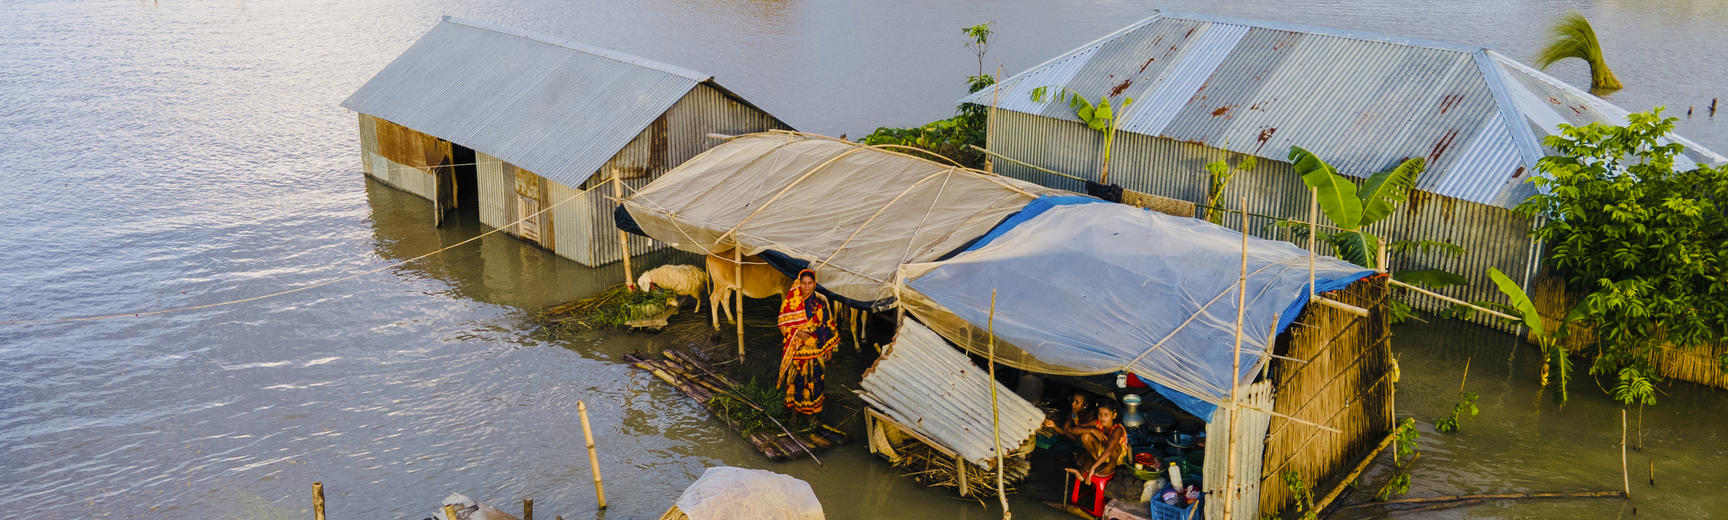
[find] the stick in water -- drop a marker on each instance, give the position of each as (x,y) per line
(593,462)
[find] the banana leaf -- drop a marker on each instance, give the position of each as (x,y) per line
(1355,247)
(1520,301)
(1337,195)
(1386,190)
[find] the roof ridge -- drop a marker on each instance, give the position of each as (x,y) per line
(577,46)
(1324,30)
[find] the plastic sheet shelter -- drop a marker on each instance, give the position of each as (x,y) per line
(853,213)
(728,493)
(1091,288)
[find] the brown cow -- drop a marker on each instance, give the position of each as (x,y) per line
(760,281)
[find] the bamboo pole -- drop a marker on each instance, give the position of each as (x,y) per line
(623,236)
(738,280)
(1350,477)
(1490,496)
(990,120)
(1235,371)
(318,500)
(995,410)
(593,460)
(527,509)
(1449,299)
(1625,480)
(1313,214)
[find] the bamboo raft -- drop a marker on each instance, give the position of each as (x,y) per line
(698,380)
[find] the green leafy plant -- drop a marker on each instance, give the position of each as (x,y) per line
(1634,387)
(1218,175)
(1638,234)
(1572,37)
(1302,495)
(1350,209)
(1100,116)
(1466,408)
(1404,437)
(954,137)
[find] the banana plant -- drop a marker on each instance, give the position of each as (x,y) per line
(1351,209)
(1218,175)
(1555,358)
(1100,116)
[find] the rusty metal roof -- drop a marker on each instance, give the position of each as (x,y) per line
(555,107)
(926,384)
(1362,101)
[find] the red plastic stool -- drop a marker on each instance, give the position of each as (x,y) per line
(1098,498)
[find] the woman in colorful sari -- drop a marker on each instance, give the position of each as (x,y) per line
(807,324)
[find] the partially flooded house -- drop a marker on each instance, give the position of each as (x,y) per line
(529,131)
(1209,88)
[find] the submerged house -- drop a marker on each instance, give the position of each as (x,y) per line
(1209,88)
(527,131)
(1084,288)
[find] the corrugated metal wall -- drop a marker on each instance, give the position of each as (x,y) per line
(493,179)
(402,177)
(1490,235)
(1249,456)
(572,228)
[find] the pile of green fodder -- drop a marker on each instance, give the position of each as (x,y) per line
(734,407)
(612,307)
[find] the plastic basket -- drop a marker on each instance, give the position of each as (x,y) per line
(1162,511)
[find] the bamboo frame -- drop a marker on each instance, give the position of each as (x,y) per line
(995,410)
(593,458)
(623,236)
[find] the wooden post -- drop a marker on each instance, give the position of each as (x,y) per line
(623,236)
(1625,480)
(995,411)
(960,476)
(318,500)
(990,119)
(1235,371)
(449,512)
(527,509)
(593,461)
(1313,210)
(738,280)
(1380,258)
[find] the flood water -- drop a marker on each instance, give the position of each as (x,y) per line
(161,155)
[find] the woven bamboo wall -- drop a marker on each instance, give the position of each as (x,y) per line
(1698,365)
(1346,384)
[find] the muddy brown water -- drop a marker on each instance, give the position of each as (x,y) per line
(160,154)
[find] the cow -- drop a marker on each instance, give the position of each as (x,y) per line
(760,280)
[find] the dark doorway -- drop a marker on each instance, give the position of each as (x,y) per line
(467,185)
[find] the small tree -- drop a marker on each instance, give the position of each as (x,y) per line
(1641,235)
(1100,116)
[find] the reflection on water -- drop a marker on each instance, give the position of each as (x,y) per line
(162,155)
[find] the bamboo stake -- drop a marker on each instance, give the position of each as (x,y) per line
(1625,480)
(1235,371)
(738,279)
(1449,299)
(995,410)
(990,122)
(318,500)
(1313,214)
(1490,496)
(527,509)
(593,460)
(623,236)
(449,512)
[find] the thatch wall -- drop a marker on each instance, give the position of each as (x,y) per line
(1346,383)
(1700,364)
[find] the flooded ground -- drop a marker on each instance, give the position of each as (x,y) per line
(161,155)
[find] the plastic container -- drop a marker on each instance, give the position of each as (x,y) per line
(1157,510)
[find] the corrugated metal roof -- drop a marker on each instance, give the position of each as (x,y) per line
(554,107)
(926,384)
(1363,101)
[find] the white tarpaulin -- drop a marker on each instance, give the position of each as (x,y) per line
(728,493)
(852,212)
(1091,288)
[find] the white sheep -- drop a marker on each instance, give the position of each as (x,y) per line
(682,280)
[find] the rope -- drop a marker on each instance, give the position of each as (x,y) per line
(172,310)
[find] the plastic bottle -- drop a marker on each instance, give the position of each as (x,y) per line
(1175,476)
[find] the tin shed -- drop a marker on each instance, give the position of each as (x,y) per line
(527,130)
(1209,87)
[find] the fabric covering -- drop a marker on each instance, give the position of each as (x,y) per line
(728,493)
(854,213)
(1098,288)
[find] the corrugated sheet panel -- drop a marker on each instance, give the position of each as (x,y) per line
(926,384)
(494,181)
(571,223)
(557,108)
(1491,235)
(403,177)
(1363,102)
(1249,456)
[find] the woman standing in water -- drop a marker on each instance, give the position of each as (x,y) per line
(808,327)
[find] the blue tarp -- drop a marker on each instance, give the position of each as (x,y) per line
(1090,288)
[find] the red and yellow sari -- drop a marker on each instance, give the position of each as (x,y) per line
(804,358)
